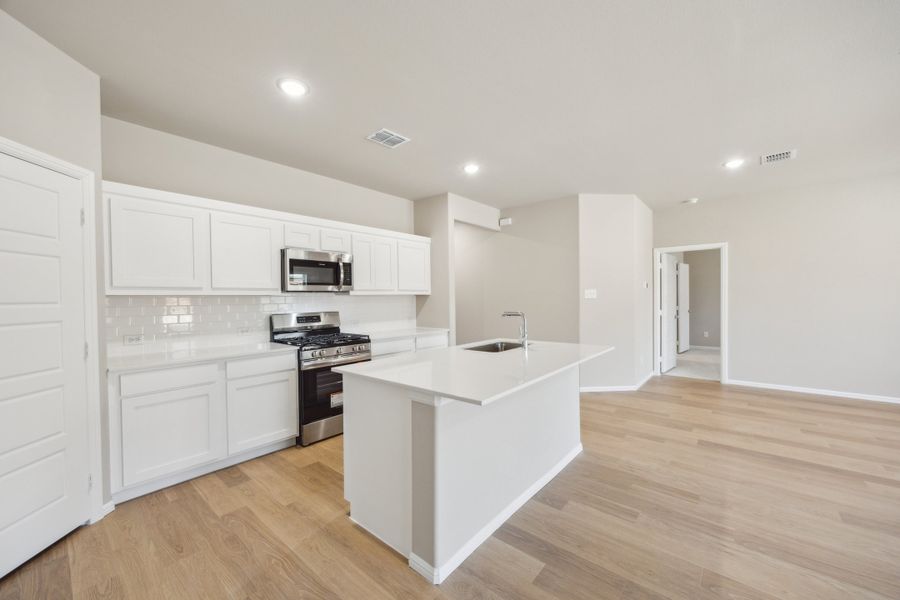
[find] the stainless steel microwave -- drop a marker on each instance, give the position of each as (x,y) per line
(312,271)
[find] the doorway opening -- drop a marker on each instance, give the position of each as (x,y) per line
(690,337)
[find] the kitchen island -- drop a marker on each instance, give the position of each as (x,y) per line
(442,446)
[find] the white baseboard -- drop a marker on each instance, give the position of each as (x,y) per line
(104,510)
(618,388)
(424,569)
(141,489)
(438,574)
(818,392)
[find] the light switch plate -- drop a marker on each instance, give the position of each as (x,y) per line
(590,294)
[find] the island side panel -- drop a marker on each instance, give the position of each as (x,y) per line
(491,459)
(377,460)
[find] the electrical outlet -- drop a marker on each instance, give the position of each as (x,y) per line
(133,340)
(243,330)
(590,294)
(705,334)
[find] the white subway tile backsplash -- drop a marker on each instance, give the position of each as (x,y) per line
(160,317)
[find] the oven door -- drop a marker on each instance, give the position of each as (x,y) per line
(321,404)
(310,271)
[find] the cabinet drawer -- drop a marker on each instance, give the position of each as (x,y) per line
(433,340)
(146,382)
(393,346)
(260,366)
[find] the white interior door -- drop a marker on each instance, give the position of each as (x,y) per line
(44,465)
(684,307)
(669,319)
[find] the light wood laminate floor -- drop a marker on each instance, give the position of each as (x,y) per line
(686,490)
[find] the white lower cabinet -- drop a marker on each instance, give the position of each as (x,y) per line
(172,424)
(167,432)
(262,409)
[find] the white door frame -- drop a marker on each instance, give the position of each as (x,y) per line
(723,302)
(91,333)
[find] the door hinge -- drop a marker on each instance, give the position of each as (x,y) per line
(82,217)
(86,349)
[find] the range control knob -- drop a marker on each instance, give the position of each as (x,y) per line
(338,351)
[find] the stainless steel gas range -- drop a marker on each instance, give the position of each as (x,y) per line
(321,345)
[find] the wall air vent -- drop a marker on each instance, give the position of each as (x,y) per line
(388,138)
(767,159)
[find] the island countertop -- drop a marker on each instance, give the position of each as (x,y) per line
(471,376)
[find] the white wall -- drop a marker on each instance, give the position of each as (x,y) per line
(150,158)
(814,282)
(705,292)
(51,103)
(435,217)
(530,266)
(615,257)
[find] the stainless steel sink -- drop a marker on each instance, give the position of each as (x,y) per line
(496,347)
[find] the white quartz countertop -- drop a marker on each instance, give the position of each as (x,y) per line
(471,376)
(396,334)
(153,355)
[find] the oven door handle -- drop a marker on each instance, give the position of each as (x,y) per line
(334,361)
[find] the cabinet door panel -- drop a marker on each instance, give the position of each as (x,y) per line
(245,253)
(157,244)
(297,235)
(374,263)
(171,431)
(414,267)
(334,240)
(262,409)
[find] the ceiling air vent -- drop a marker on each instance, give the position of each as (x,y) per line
(388,138)
(767,159)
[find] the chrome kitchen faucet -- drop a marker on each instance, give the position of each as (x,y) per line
(523,328)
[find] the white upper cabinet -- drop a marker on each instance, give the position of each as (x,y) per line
(413,267)
(334,240)
(374,263)
(162,243)
(246,252)
(298,235)
(157,245)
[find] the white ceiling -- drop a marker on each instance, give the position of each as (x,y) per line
(551,98)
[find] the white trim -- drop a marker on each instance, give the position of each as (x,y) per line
(815,391)
(439,574)
(91,306)
(617,388)
(104,510)
(723,302)
(170,480)
(421,566)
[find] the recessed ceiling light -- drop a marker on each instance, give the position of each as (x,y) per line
(471,168)
(734,163)
(293,87)
(691,201)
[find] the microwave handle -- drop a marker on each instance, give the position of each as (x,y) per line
(341,275)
